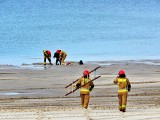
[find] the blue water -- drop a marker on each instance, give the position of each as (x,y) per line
(85,29)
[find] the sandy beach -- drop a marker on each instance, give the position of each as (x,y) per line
(35,92)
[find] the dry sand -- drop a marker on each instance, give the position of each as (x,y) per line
(32,92)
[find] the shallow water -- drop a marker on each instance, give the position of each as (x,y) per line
(86,30)
(14,93)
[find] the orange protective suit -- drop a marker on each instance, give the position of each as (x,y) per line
(85,90)
(63,56)
(47,55)
(122,92)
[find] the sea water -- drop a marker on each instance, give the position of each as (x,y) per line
(88,30)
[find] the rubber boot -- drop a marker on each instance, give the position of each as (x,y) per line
(123,110)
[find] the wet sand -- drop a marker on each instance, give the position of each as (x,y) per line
(35,92)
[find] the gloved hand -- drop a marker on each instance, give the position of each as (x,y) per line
(78,85)
(129,87)
(90,89)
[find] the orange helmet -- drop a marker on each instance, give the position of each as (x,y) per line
(85,72)
(121,72)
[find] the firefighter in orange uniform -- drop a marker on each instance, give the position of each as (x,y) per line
(47,55)
(63,56)
(85,90)
(123,89)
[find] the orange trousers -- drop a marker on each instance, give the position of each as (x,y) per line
(122,98)
(84,100)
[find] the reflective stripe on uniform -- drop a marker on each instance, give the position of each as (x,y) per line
(84,90)
(122,80)
(122,90)
(123,106)
(119,107)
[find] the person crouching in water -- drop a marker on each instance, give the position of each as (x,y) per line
(123,89)
(85,90)
(47,55)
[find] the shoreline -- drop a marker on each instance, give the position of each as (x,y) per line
(105,62)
